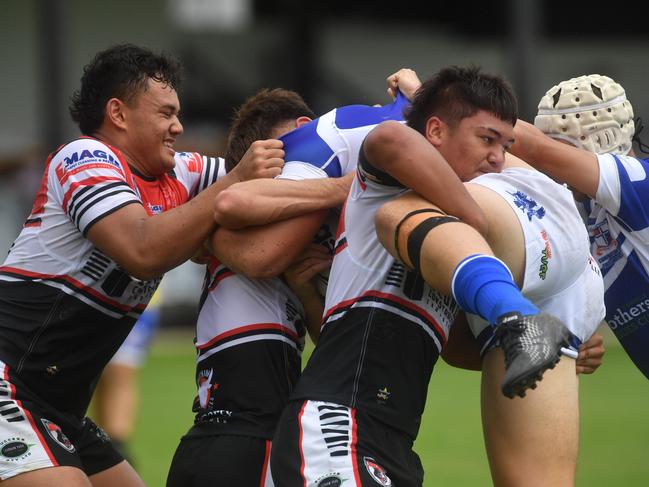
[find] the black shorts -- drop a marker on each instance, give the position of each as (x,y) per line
(205,458)
(33,435)
(328,445)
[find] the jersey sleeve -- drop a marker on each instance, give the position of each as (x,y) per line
(623,189)
(328,146)
(353,116)
(354,122)
(312,150)
(197,172)
(89,182)
(368,172)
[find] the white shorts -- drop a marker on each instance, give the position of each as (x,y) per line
(579,307)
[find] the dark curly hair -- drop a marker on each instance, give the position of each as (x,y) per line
(455,93)
(121,72)
(258,117)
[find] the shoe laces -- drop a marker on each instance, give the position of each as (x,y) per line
(508,333)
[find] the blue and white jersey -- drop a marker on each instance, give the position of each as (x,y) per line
(328,146)
(618,225)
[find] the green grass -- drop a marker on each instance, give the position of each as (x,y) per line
(614,420)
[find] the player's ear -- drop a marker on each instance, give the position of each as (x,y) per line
(301,121)
(434,130)
(115,113)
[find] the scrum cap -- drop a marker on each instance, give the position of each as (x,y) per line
(590,112)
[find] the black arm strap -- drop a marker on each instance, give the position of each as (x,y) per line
(398,229)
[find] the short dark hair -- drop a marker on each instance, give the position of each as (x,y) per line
(121,71)
(455,93)
(258,116)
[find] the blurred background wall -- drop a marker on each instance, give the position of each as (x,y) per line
(334,53)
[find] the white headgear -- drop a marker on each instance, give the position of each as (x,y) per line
(591,112)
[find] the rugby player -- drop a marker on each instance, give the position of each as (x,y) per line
(356,410)
(251,328)
(90,256)
(534,227)
(593,118)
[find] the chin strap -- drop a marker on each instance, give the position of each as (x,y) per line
(639,127)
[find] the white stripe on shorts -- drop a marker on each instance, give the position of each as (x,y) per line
(22,447)
(328,443)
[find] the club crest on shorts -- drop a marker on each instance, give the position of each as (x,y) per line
(377,472)
(57,434)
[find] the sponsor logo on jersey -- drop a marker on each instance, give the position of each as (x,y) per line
(332,479)
(383,395)
(55,432)
(527,205)
(144,290)
(15,449)
(205,387)
(546,255)
(86,156)
(601,237)
(631,318)
(155,209)
(377,472)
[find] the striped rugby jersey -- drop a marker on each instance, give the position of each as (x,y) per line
(65,306)
(255,327)
(618,225)
(383,326)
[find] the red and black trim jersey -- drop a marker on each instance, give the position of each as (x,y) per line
(249,340)
(383,326)
(85,301)
(83,182)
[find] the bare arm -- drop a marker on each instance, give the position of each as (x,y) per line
(263,201)
(148,246)
(300,278)
(404,80)
(262,252)
(562,162)
(422,169)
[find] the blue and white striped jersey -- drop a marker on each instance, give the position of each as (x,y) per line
(618,225)
(329,145)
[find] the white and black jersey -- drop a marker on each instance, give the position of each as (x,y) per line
(249,340)
(65,306)
(250,332)
(383,327)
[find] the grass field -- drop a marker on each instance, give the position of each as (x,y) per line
(614,420)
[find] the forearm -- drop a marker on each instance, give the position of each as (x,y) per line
(564,163)
(263,201)
(263,252)
(423,169)
(148,246)
(168,239)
